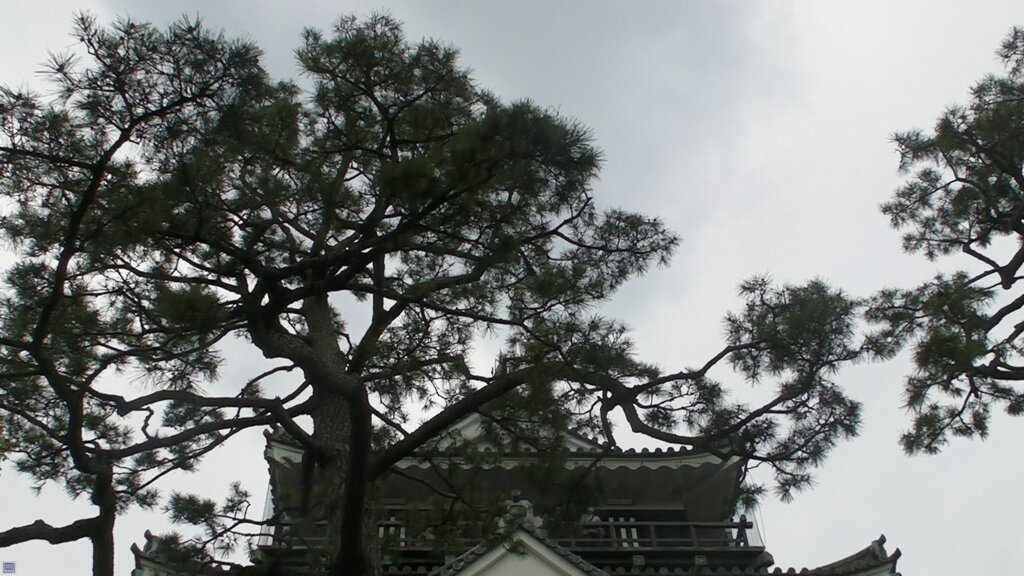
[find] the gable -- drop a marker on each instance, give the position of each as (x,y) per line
(524,554)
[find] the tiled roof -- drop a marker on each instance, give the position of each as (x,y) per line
(155,555)
(278,434)
(617,451)
(874,556)
(871,557)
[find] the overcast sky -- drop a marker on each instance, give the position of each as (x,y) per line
(760,131)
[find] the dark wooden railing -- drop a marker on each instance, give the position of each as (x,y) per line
(638,535)
(643,535)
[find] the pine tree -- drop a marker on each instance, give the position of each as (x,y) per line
(965,195)
(367,232)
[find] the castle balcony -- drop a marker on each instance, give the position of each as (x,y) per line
(646,535)
(616,539)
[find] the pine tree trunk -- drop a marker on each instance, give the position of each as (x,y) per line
(103,549)
(103,535)
(343,428)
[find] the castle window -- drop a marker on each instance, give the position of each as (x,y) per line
(392,530)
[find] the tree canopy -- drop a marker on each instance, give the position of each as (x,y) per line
(368,227)
(964,196)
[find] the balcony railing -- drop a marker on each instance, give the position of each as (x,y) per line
(635,535)
(641,535)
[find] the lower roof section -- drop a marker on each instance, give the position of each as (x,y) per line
(527,552)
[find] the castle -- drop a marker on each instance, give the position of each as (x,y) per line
(479,504)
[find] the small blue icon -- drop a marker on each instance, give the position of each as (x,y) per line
(8,567)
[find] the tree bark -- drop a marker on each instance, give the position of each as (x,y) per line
(332,431)
(40,530)
(358,536)
(343,428)
(103,532)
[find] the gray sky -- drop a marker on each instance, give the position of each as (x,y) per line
(760,131)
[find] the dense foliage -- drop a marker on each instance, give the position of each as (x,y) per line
(964,196)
